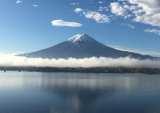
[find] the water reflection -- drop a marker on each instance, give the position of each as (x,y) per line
(22,92)
(67,80)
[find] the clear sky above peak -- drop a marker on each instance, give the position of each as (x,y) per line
(29,25)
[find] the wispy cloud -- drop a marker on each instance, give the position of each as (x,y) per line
(63,23)
(11,60)
(156,31)
(35,5)
(128,25)
(74,3)
(103,9)
(19,2)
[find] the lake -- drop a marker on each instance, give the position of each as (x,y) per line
(35,92)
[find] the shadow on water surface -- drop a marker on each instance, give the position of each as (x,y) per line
(26,92)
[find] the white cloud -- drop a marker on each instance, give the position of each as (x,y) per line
(142,11)
(19,1)
(150,9)
(78,10)
(62,23)
(93,15)
(96,16)
(117,9)
(156,31)
(11,60)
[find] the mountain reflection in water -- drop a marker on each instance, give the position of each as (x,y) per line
(26,92)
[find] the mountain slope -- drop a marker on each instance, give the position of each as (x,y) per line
(81,46)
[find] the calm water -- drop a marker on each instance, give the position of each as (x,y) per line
(26,92)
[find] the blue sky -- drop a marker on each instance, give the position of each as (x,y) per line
(29,25)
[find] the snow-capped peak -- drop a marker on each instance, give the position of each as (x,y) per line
(79,37)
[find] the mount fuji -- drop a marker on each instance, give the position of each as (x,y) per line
(82,46)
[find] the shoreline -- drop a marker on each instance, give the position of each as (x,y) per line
(83,70)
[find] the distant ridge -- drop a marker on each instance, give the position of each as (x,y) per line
(82,46)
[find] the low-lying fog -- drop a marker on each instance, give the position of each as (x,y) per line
(12,60)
